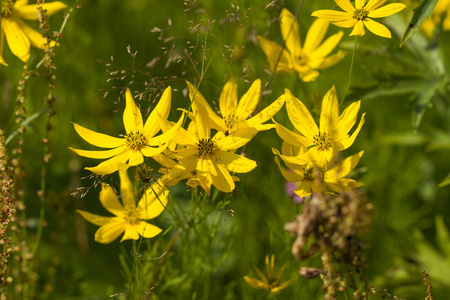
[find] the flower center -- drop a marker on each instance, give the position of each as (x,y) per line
(322,140)
(7,6)
(206,147)
(229,121)
(360,14)
(131,216)
(308,174)
(135,140)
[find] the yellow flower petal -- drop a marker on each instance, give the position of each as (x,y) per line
(136,158)
(132,117)
(235,163)
(290,32)
(17,40)
(329,61)
(248,102)
(236,139)
(348,142)
(377,28)
(228,100)
(342,169)
(147,230)
(374,4)
(167,136)
(152,125)
(332,15)
(359,4)
(346,23)
(126,188)
(292,138)
(221,178)
(2,41)
(268,112)
(30,12)
(300,116)
(330,112)
(36,38)
(345,5)
(289,176)
(272,51)
(110,231)
(198,100)
(94,219)
(304,189)
(315,35)
(326,47)
(293,160)
(98,139)
(99,154)
(110,202)
(131,232)
(255,283)
(358,29)
(151,204)
(347,120)
(109,166)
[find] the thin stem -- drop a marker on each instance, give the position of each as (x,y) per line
(350,72)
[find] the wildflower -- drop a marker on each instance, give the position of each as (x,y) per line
(129,217)
(139,140)
(204,159)
(312,179)
(272,283)
(328,139)
(19,35)
(307,60)
(360,15)
(236,115)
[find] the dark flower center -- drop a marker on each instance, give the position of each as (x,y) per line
(135,140)
(323,140)
(206,147)
(360,14)
(7,6)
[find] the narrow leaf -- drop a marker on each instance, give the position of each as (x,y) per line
(421,12)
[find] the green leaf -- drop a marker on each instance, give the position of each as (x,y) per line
(445,182)
(421,12)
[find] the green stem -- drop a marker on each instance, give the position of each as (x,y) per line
(350,72)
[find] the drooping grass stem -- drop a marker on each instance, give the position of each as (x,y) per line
(350,72)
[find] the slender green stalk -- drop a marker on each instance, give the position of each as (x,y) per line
(350,72)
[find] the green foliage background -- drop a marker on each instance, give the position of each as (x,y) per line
(401,166)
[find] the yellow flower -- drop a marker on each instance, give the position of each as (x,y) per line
(311,179)
(139,140)
(204,159)
(360,15)
(18,34)
(307,60)
(325,141)
(236,115)
(271,282)
(129,217)
(442,9)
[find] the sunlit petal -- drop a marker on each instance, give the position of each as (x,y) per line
(110,231)
(315,34)
(290,32)
(109,166)
(249,100)
(131,233)
(358,29)
(110,201)
(347,120)
(377,28)
(221,178)
(359,4)
(235,163)
(374,4)
(152,125)
(268,112)
(345,5)
(300,116)
(30,12)
(292,138)
(330,112)
(228,100)
(147,230)
(94,219)
(348,142)
(98,139)
(277,63)
(132,117)
(289,176)
(126,188)
(236,139)
(153,201)
(36,38)
(99,154)
(18,42)
(332,15)
(346,23)
(327,46)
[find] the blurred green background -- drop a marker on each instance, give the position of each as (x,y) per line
(401,166)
